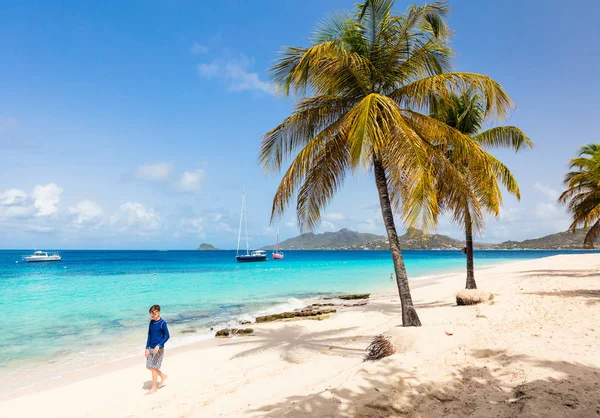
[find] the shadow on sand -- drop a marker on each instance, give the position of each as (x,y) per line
(592,295)
(560,273)
(472,391)
(290,341)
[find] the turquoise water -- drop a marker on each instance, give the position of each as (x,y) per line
(93,306)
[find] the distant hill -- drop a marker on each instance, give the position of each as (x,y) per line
(345,239)
(339,240)
(561,240)
(415,239)
(206,247)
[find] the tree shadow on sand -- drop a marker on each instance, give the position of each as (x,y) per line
(489,390)
(290,341)
(592,295)
(560,273)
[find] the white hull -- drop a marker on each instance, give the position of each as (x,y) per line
(48,258)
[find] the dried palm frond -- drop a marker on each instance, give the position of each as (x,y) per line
(379,348)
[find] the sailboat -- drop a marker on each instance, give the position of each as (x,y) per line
(277,255)
(257,255)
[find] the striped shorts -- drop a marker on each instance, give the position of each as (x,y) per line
(154,361)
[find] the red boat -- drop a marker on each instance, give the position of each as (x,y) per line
(277,255)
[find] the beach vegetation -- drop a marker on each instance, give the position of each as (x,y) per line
(365,87)
(470,199)
(582,193)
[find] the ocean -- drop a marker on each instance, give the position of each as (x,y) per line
(92,307)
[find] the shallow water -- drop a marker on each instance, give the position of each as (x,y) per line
(93,306)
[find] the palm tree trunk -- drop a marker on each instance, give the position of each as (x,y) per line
(469,238)
(409,314)
(590,237)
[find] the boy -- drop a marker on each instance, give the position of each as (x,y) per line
(158,334)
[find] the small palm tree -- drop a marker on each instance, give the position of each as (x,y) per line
(583,192)
(366,86)
(469,199)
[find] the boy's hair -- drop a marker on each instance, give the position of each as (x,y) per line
(154,308)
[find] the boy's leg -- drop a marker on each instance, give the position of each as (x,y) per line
(163,377)
(154,382)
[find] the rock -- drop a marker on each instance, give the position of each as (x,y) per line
(243,322)
(234,331)
(223,333)
(188,331)
(472,297)
(350,297)
(298,314)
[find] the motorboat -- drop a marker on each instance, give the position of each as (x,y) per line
(43,256)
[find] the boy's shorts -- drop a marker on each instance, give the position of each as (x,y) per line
(154,361)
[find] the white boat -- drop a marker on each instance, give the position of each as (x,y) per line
(43,256)
(256,255)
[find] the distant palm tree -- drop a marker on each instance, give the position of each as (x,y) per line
(469,199)
(366,85)
(583,192)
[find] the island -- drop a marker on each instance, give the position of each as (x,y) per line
(206,247)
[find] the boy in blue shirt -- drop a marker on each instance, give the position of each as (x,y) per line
(158,334)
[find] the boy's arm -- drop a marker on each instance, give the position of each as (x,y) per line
(166,335)
(148,339)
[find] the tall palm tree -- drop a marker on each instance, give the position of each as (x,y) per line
(583,192)
(469,200)
(365,88)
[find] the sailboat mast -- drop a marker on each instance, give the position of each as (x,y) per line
(246,219)
(240,229)
(277,241)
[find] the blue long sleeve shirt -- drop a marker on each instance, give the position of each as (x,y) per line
(158,333)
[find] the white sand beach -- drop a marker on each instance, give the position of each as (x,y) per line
(532,351)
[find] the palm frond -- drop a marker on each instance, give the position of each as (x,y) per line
(504,137)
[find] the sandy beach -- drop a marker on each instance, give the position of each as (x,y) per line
(531,351)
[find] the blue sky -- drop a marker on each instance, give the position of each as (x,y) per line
(137,124)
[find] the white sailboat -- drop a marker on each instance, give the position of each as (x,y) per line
(257,255)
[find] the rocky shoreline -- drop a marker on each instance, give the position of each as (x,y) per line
(315,311)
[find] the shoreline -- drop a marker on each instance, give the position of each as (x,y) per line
(208,340)
(537,333)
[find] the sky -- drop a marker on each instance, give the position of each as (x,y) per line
(136,125)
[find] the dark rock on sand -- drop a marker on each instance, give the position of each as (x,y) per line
(234,331)
(298,314)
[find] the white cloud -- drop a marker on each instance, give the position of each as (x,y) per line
(548,211)
(198,49)
(135,216)
(235,74)
(193,226)
(15,203)
(12,197)
(86,211)
(334,217)
(190,181)
(327,226)
(157,172)
(46,198)
(548,191)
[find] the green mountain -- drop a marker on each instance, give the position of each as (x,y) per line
(561,240)
(339,240)
(415,239)
(206,247)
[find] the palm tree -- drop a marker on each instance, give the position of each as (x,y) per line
(468,200)
(365,87)
(583,192)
